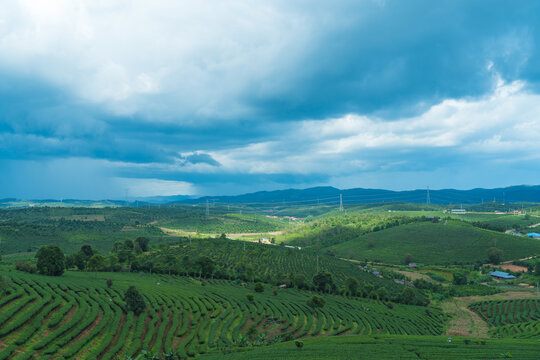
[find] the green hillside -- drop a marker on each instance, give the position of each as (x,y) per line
(69,228)
(260,262)
(518,318)
(77,315)
(390,347)
(435,243)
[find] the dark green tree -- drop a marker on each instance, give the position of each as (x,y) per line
(300,281)
(206,266)
(316,301)
(96,263)
(494,255)
(134,300)
(407,296)
(459,278)
(87,252)
(352,286)
(50,260)
(143,243)
(259,287)
(128,244)
(323,281)
(537,269)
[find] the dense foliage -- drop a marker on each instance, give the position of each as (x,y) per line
(267,263)
(50,260)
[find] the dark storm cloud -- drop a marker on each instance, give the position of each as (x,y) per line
(234,104)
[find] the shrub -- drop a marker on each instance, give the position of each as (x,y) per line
(134,300)
(259,287)
(109,282)
(250,297)
(299,344)
(25,266)
(316,301)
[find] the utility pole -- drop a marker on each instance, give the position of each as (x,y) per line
(428,200)
(340,202)
(207,208)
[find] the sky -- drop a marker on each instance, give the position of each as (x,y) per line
(103,99)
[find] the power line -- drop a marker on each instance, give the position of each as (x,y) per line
(428,200)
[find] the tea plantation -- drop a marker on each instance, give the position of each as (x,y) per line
(435,243)
(518,318)
(78,315)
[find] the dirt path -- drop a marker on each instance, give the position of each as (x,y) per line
(464,322)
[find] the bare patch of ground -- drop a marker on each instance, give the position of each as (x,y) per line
(509,267)
(414,275)
(464,322)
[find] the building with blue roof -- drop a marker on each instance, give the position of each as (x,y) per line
(533,235)
(502,275)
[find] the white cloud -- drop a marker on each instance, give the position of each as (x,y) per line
(136,187)
(200,56)
(491,127)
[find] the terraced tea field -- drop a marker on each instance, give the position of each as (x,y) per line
(390,347)
(77,316)
(511,318)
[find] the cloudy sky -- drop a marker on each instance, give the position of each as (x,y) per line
(99,98)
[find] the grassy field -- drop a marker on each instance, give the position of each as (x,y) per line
(435,243)
(27,229)
(391,347)
(77,316)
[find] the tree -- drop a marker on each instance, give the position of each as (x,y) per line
(87,252)
(206,266)
(128,244)
(316,301)
(96,263)
(134,300)
(299,281)
(537,269)
(459,279)
(407,296)
(250,297)
(259,287)
(143,243)
(382,293)
(323,281)
(50,260)
(408,258)
(494,255)
(352,286)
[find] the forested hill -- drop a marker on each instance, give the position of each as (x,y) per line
(328,195)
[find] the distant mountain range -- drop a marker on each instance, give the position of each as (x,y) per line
(328,194)
(315,195)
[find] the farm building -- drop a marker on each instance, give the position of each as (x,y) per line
(533,235)
(502,275)
(458,211)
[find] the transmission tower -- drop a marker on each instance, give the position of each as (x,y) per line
(340,202)
(428,199)
(207,208)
